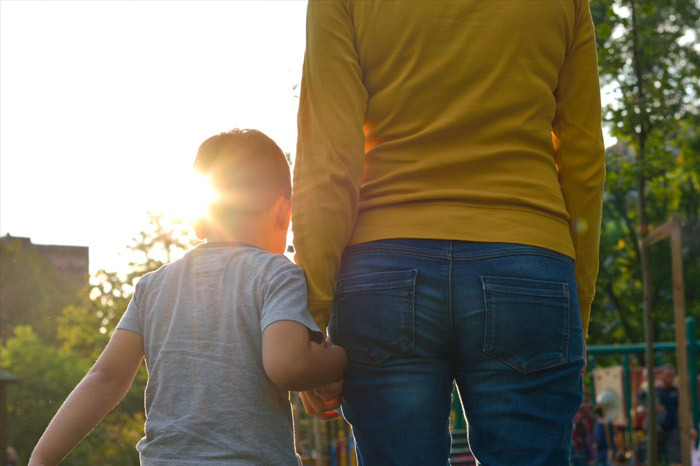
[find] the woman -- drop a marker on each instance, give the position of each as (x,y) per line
(447,203)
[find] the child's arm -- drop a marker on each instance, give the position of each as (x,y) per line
(294,362)
(102,388)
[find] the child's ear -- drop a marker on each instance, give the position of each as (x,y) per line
(200,228)
(284,212)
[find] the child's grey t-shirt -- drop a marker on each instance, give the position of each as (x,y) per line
(208,399)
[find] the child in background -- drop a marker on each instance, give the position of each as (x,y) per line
(604,434)
(225,331)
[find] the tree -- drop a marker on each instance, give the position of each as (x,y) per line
(109,296)
(649,63)
(79,331)
(48,375)
(165,240)
(73,332)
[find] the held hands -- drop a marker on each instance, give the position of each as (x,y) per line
(322,402)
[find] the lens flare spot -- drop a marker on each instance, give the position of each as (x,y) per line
(195,201)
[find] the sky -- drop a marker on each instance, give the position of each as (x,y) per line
(103,105)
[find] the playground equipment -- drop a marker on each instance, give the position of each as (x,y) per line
(673,230)
(327,443)
(692,351)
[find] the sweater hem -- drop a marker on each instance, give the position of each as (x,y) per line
(463,223)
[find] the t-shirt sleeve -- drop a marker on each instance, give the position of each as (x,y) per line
(285,299)
(131,320)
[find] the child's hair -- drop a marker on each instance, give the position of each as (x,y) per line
(247,169)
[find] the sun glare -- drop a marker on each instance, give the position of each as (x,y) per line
(201,197)
(192,201)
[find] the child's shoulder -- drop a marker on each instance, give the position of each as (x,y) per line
(249,258)
(272,264)
(268,268)
(278,260)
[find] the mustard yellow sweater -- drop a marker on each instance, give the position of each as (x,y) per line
(475,120)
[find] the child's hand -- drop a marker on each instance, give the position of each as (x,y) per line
(322,402)
(318,408)
(329,391)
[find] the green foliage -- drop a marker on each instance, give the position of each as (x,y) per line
(649,64)
(165,240)
(80,331)
(47,375)
(646,53)
(109,295)
(73,332)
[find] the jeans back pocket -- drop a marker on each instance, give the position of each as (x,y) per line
(373,315)
(527,322)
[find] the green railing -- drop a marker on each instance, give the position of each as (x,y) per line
(693,350)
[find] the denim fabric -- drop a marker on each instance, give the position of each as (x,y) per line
(499,320)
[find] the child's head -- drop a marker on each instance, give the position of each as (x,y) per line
(250,175)
(599,411)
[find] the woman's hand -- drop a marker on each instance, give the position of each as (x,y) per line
(322,402)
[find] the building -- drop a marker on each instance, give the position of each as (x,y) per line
(72,262)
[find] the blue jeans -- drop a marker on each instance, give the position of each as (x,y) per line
(500,320)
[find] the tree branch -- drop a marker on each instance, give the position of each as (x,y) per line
(623,319)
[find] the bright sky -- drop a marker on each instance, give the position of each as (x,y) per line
(103,106)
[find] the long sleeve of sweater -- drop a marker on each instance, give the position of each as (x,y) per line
(469,120)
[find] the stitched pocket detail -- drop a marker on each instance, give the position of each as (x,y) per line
(527,322)
(373,315)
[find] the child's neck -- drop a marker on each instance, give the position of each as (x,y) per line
(259,238)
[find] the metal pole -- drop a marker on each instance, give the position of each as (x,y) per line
(691,333)
(3,426)
(628,393)
(649,356)
(589,370)
(318,443)
(630,348)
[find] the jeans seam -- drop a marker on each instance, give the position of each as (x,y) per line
(449,295)
(397,250)
(519,251)
(487,328)
(567,333)
(516,252)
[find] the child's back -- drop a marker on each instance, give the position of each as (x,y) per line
(201,319)
(224,330)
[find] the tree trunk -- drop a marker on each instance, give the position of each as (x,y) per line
(629,333)
(642,133)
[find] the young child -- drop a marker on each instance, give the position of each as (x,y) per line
(604,433)
(224,330)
